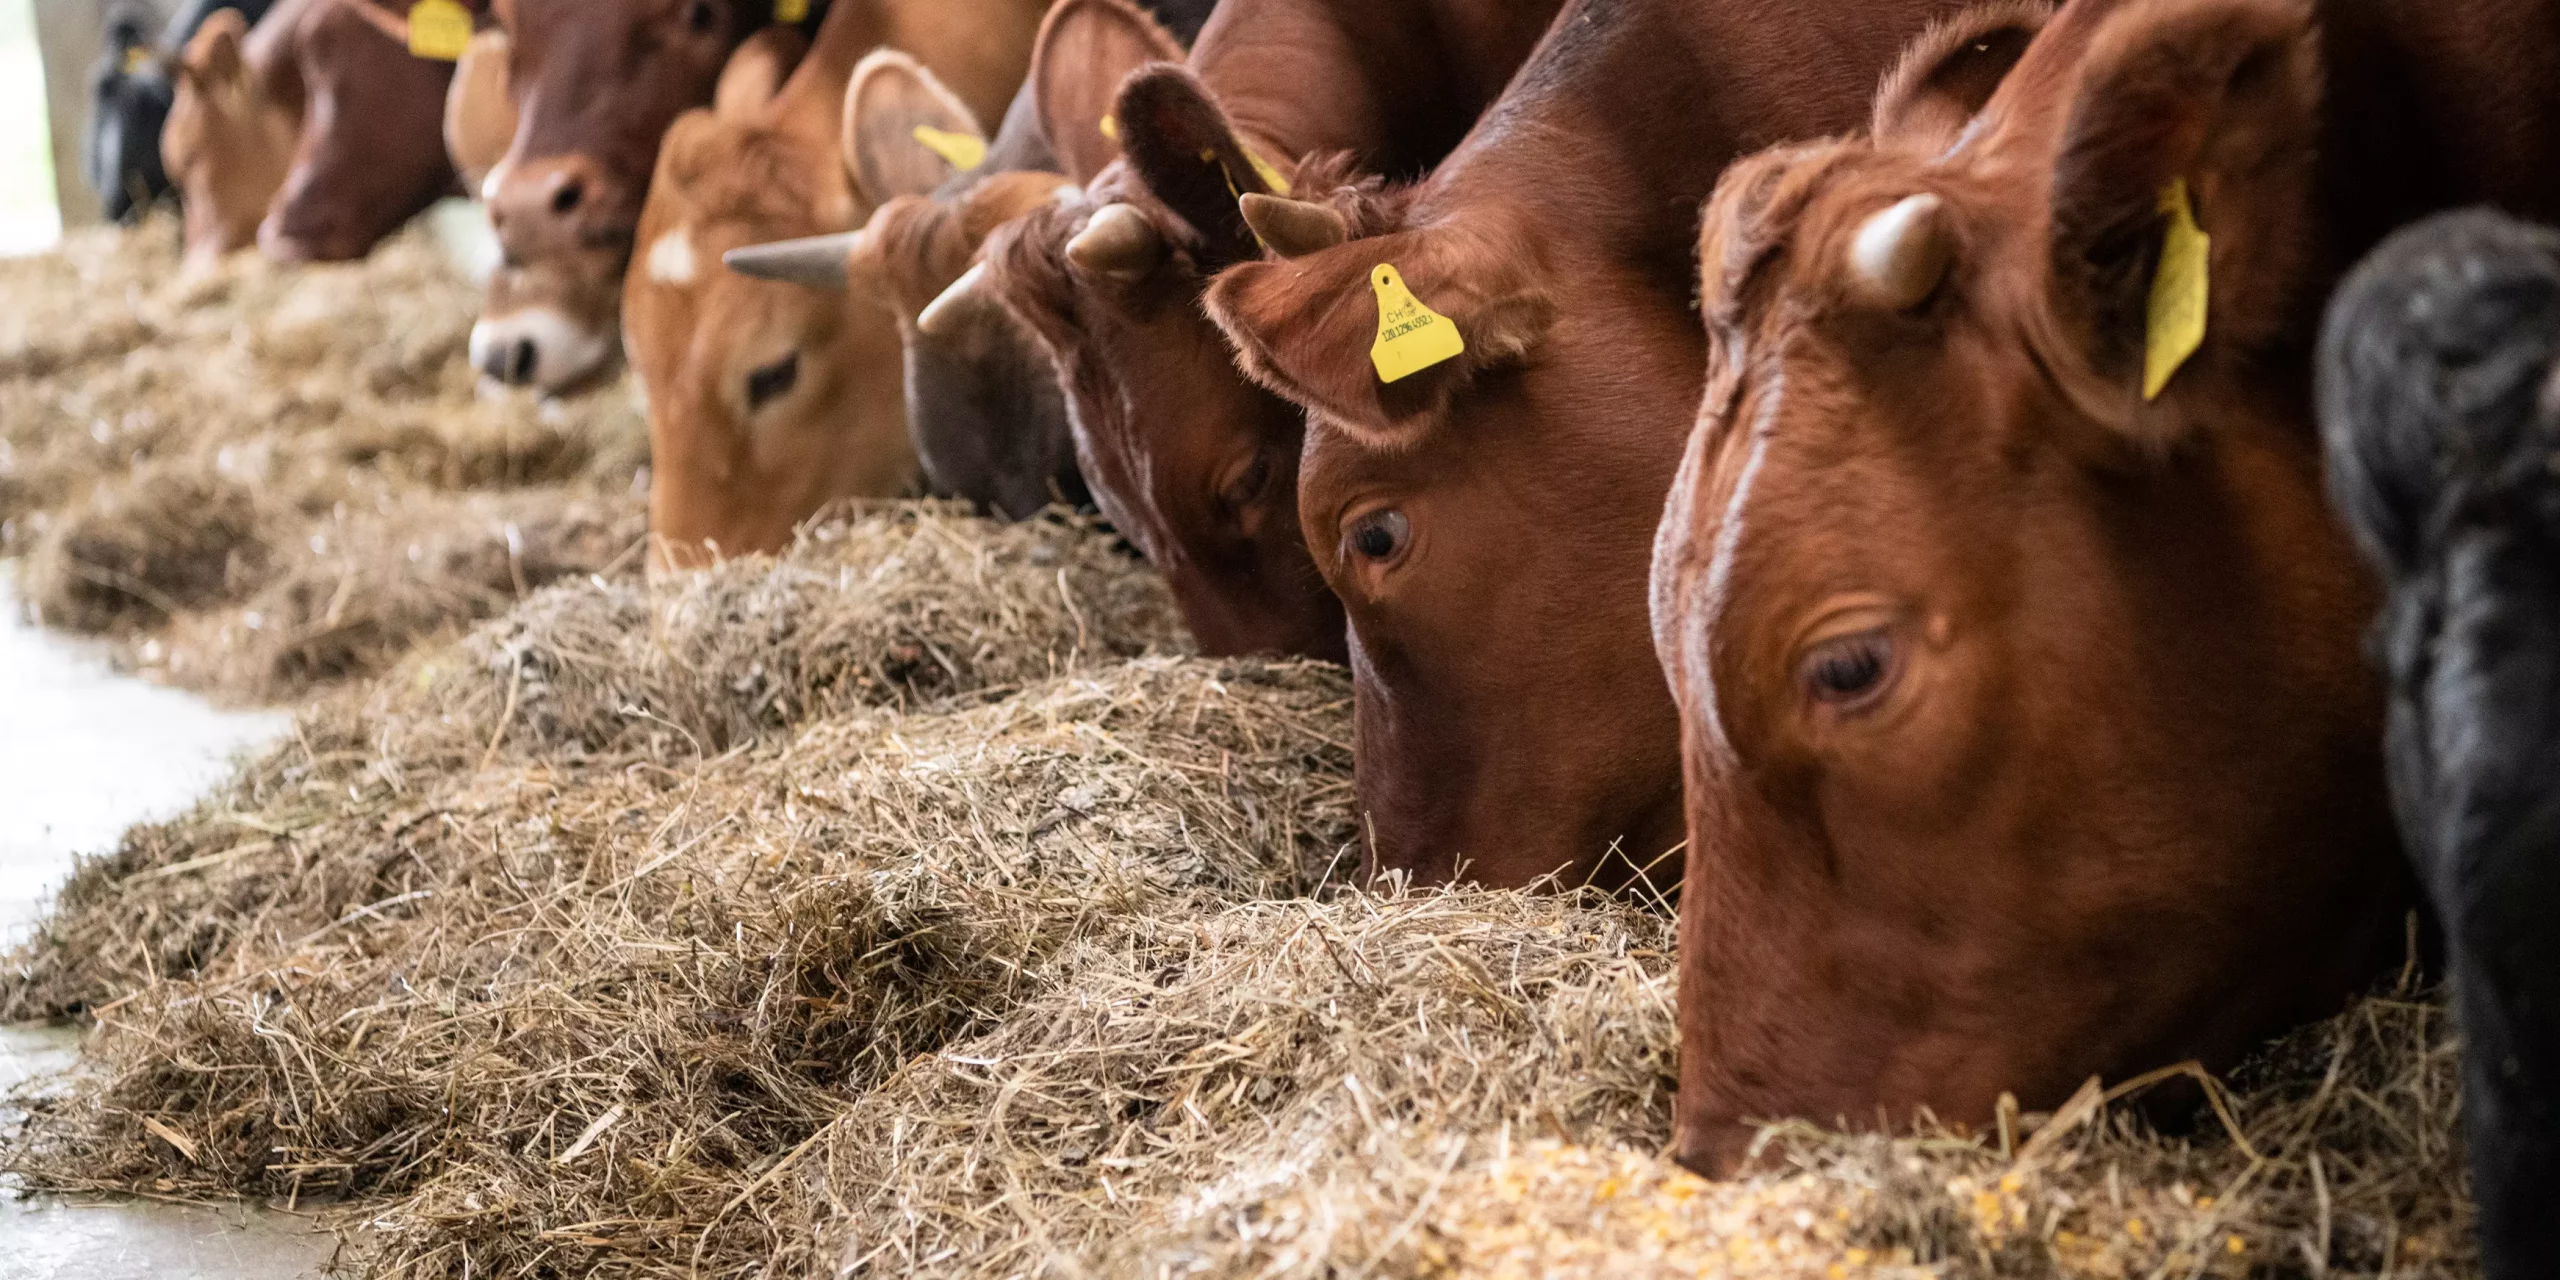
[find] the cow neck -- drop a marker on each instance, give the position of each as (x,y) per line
(272,52)
(1650,100)
(1383,81)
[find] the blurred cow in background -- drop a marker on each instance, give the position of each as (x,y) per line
(130,90)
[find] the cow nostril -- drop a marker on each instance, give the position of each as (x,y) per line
(522,359)
(565,200)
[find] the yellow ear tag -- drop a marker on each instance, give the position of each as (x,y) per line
(439,30)
(2181,293)
(962,151)
(136,58)
(1411,336)
(790,10)
(1111,128)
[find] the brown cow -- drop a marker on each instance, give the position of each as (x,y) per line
(585,94)
(983,403)
(2026,728)
(1193,463)
(1488,522)
(313,135)
(767,402)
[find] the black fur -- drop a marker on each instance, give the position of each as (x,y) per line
(2442,423)
(129,94)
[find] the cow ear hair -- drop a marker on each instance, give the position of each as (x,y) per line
(1947,75)
(213,57)
(2222,95)
(1303,328)
(479,113)
(891,98)
(1180,144)
(1085,49)
(757,72)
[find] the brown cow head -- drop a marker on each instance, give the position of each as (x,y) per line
(1195,465)
(2026,731)
(231,134)
(591,88)
(766,401)
(983,404)
(370,155)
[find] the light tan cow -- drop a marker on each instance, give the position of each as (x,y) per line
(767,401)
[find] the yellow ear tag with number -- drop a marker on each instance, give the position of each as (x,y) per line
(1411,336)
(790,10)
(439,30)
(962,151)
(2181,293)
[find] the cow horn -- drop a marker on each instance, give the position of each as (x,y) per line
(816,261)
(1118,240)
(1902,253)
(940,312)
(1294,228)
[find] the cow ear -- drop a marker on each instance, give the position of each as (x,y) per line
(1085,50)
(1948,74)
(479,111)
(213,58)
(1304,328)
(757,71)
(2217,100)
(1180,144)
(905,134)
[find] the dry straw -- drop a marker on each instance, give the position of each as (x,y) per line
(908,905)
(260,481)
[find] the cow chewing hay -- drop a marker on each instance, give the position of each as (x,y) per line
(265,480)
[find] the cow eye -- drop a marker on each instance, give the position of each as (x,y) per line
(1847,670)
(1381,535)
(701,17)
(772,382)
(1249,483)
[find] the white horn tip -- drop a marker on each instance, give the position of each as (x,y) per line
(939,314)
(1902,253)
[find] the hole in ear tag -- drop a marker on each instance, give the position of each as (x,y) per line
(1411,336)
(439,30)
(791,10)
(2181,293)
(962,151)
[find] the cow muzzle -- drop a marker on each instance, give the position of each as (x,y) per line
(538,347)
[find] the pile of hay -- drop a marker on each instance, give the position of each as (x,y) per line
(265,479)
(908,906)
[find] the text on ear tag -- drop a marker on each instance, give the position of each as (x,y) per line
(1411,336)
(2181,293)
(791,10)
(439,30)
(962,151)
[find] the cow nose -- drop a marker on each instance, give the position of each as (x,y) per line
(546,208)
(514,362)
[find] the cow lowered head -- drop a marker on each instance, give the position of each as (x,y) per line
(564,122)
(2026,731)
(1195,465)
(231,131)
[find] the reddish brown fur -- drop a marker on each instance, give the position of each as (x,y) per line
(1196,465)
(1512,720)
(2103,790)
(735,469)
(315,135)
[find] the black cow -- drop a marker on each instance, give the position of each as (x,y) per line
(129,94)
(2442,421)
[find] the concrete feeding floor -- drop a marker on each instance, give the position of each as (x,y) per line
(84,753)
